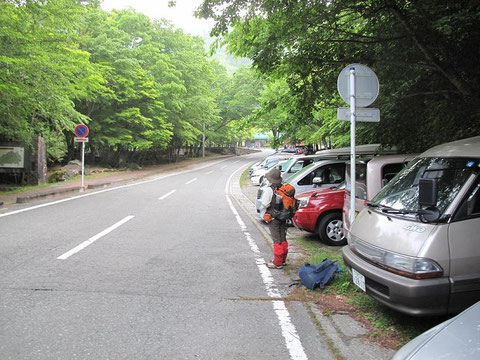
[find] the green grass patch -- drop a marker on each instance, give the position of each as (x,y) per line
(244,179)
(386,322)
(19,189)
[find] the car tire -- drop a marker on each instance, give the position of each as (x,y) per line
(330,229)
(260,181)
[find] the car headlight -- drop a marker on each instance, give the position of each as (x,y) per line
(404,265)
(303,202)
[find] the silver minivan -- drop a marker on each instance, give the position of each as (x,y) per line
(415,248)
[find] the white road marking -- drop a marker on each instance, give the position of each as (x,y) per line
(94,238)
(106,190)
(289,332)
(209,172)
(236,161)
(189,182)
(223,167)
(166,195)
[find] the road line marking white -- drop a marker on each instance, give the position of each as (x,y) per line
(189,182)
(236,161)
(289,332)
(166,195)
(209,172)
(107,190)
(94,238)
(223,167)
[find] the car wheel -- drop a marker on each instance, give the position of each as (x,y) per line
(330,230)
(260,180)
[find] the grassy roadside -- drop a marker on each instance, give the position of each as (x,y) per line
(20,189)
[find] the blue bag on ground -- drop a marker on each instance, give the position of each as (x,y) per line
(320,275)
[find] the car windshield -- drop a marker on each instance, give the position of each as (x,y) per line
(402,192)
(299,174)
(286,165)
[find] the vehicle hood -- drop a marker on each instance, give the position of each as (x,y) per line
(457,338)
(395,234)
(319,193)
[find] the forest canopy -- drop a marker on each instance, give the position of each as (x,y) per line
(139,84)
(425,54)
(144,87)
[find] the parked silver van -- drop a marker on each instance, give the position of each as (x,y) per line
(415,248)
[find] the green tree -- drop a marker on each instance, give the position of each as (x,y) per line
(423,53)
(42,70)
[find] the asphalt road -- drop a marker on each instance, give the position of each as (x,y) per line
(169,268)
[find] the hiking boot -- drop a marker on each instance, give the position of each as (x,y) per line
(271,265)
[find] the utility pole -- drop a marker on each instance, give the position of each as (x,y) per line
(203,141)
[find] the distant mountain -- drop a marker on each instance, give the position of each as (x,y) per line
(230,62)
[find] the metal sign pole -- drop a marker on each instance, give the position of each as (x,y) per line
(83,162)
(352,145)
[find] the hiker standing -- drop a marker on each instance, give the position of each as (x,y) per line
(277,227)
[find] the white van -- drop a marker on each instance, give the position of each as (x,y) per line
(415,248)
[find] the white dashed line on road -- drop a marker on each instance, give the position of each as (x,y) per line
(209,172)
(189,182)
(166,195)
(94,238)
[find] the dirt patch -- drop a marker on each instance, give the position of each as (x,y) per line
(330,304)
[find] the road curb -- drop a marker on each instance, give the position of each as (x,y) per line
(28,198)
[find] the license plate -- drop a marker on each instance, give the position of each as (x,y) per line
(358,279)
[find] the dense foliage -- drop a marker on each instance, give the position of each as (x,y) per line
(142,86)
(424,53)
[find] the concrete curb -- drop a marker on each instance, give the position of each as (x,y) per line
(27,198)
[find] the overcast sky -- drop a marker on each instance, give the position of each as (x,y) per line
(181,15)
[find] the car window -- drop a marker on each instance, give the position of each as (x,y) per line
(330,174)
(471,205)
(298,165)
(390,170)
(286,165)
(307,162)
(300,174)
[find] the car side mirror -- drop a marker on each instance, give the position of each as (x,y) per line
(317,181)
(427,192)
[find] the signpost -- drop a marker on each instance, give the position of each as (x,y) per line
(358,86)
(81,131)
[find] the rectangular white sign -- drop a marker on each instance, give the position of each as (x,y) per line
(12,157)
(80,139)
(361,114)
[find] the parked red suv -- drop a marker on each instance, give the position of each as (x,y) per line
(320,211)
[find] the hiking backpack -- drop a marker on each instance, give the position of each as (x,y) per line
(318,276)
(283,202)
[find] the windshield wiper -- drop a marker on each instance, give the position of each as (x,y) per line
(389,210)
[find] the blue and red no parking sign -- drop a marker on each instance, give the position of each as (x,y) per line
(81,130)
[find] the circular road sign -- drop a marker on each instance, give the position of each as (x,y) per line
(366,85)
(81,130)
